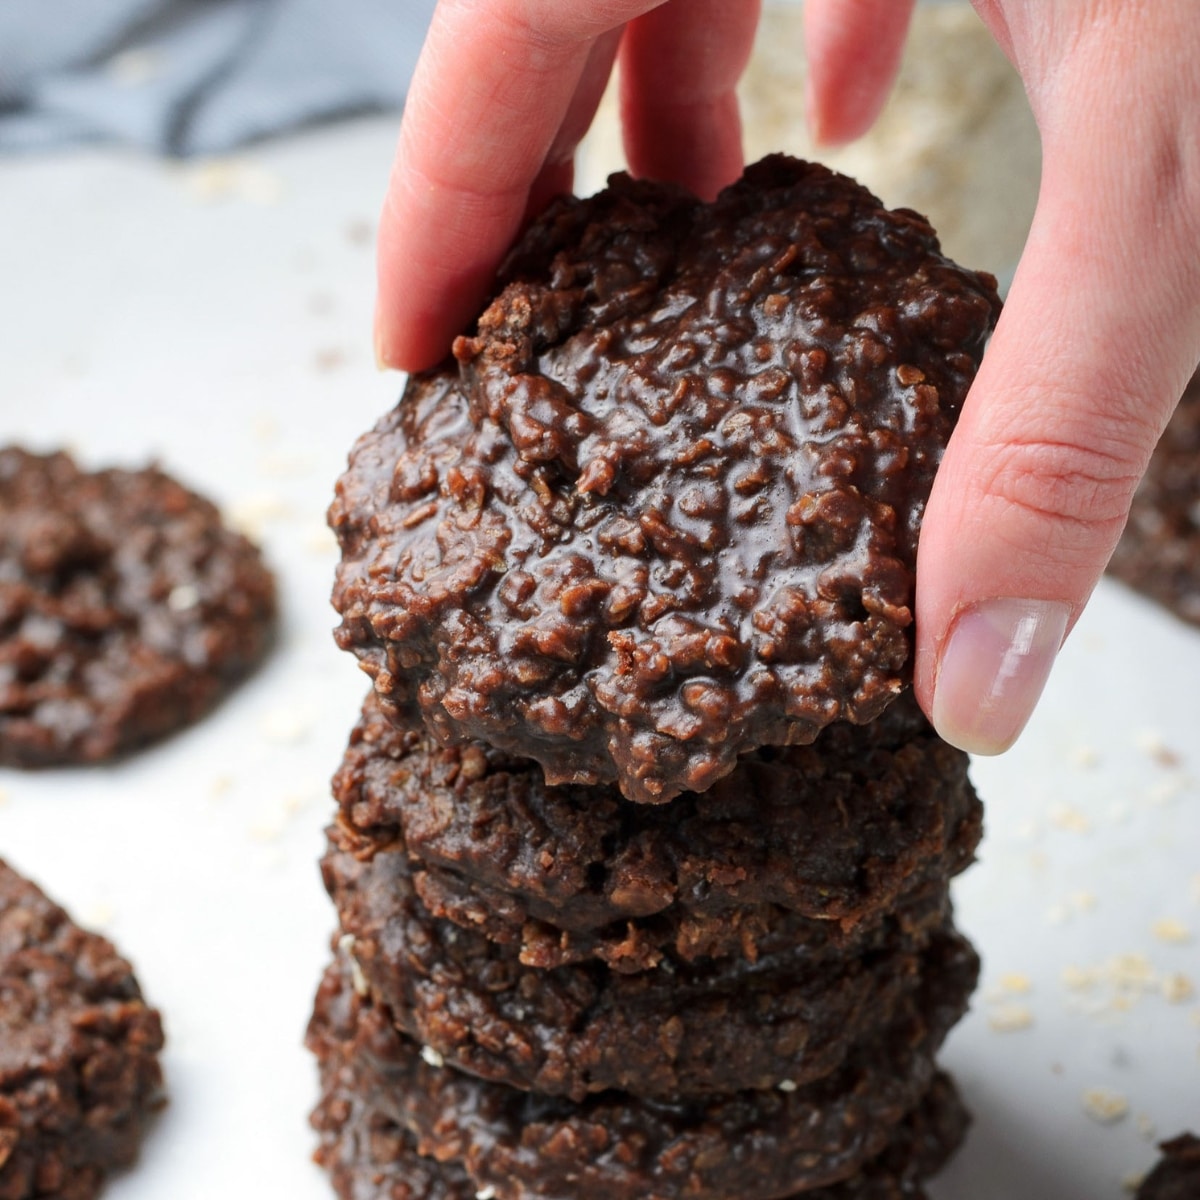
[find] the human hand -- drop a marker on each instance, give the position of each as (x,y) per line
(1103,322)
(1100,333)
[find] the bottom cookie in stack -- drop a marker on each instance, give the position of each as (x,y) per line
(739,994)
(873,1128)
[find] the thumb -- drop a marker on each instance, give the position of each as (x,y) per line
(1090,355)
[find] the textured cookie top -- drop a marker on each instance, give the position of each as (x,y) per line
(126,608)
(78,1051)
(663,507)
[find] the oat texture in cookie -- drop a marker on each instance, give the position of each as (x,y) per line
(662,505)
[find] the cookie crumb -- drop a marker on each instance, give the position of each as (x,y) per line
(432,1057)
(787,1085)
(1104,1105)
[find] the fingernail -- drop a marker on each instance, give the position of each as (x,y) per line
(993,669)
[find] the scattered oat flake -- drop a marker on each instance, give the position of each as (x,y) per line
(269,829)
(252,514)
(1133,972)
(1010,1018)
(1145,1127)
(1083,901)
(1076,978)
(285,466)
(1016,982)
(432,1056)
(98,915)
(1069,818)
(1084,757)
(1105,1105)
(286,726)
(265,427)
(1174,933)
(1152,745)
(1167,791)
(786,1085)
(297,802)
(223,178)
(1133,1180)
(221,786)
(320,539)
(1057,914)
(1177,988)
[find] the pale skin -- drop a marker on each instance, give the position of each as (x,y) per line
(1102,325)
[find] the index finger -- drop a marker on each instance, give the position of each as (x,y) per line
(492,88)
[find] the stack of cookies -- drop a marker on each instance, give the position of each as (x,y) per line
(643,847)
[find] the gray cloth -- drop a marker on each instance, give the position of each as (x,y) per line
(186,77)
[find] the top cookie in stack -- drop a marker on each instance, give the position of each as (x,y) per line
(664,507)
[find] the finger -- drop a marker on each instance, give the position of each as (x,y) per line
(493,86)
(854,49)
(558,172)
(1090,355)
(680,65)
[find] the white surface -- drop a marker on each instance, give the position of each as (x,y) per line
(229,337)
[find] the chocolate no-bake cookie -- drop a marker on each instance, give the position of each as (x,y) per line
(1177,1174)
(126,609)
(675,1031)
(79,1047)
(370,1157)
(662,508)
(835,831)
(1159,552)
(755,1145)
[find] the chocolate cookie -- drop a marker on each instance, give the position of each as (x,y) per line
(833,831)
(679,1030)
(1177,1175)
(753,1144)
(663,507)
(126,609)
(1159,552)
(370,1157)
(79,1069)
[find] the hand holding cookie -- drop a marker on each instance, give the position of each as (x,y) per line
(1101,330)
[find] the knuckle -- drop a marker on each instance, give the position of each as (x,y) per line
(1063,482)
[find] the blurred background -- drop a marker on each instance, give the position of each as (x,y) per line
(188,192)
